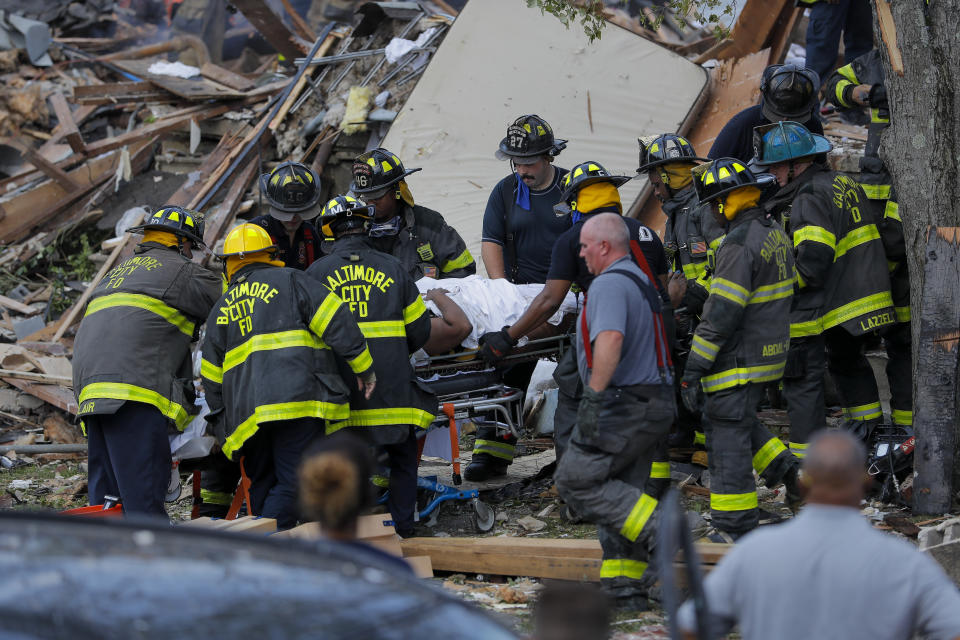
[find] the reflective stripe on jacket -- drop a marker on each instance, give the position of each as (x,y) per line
(394,320)
(691,235)
(744,335)
(269,351)
(134,340)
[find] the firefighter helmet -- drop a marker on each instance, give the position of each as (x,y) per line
(783,141)
(291,187)
(788,92)
(176,220)
(375,171)
(587,173)
(343,213)
(720,177)
(665,149)
(247,238)
(528,138)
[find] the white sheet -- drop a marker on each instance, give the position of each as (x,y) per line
(491,304)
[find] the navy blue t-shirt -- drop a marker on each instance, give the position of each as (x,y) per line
(306,242)
(566,263)
(534,231)
(735,140)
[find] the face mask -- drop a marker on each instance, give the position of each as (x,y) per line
(389,228)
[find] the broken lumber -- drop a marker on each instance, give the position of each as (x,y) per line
(51,394)
(225,77)
(36,377)
(153,129)
(272,28)
(44,448)
(19,307)
(888,33)
(69,127)
(49,168)
(97,94)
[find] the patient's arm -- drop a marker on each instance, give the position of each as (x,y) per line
(448,331)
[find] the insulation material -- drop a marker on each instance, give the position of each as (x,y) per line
(491,304)
(500,61)
(358,106)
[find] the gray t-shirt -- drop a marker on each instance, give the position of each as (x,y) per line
(828,574)
(616,303)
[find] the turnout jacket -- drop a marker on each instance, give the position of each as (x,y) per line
(269,353)
(134,340)
(842,273)
(394,320)
(427,246)
(691,236)
(744,334)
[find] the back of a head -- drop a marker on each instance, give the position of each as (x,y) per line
(611,228)
(335,483)
(834,469)
(789,92)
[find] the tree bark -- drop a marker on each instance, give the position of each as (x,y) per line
(922,150)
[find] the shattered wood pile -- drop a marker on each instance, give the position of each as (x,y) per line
(97,127)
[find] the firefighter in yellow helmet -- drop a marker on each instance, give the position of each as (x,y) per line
(132,370)
(269,370)
(740,344)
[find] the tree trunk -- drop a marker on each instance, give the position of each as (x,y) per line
(922,150)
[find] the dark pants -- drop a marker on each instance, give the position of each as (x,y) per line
(853,375)
(803,390)
(603,478)
(492,443)
(853,19)
(271,459)
(900,373)
(129,456)
(219,478)
(738,444)
(402,500)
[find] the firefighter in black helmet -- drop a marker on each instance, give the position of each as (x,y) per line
(292,192)
(787,92)
(416,236)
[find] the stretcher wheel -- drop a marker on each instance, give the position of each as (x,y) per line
(483,516)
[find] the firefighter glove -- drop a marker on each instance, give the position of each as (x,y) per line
(495,345)
(690,393)
(588,413)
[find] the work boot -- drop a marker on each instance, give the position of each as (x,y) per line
(483,467)
(791,483)
(631,603)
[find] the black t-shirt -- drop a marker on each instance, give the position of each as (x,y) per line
(735,140)
(305,247)
(534,231)
(566,263)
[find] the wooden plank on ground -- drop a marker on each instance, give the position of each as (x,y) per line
(203,522)
(97,94)
(226,77)
(253,525)
(36,377)
(65,117)
(52,394)
(19,307)
(422,566)
(51,170)
(193,89)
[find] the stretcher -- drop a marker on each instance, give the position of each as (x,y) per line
(468,389)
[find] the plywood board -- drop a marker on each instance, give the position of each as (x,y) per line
(490,70)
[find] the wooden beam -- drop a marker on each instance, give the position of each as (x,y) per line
(888,32)
(51,170)
(36,377)
(272,28)
(753,27)
(150,130)
(65,117)
(97,94)
(225,77)
(51,394)
(19,307)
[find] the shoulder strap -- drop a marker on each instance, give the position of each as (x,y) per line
(510,246)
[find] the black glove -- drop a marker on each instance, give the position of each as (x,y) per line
(495,345)
(690,394)
(588,412)
(878,96)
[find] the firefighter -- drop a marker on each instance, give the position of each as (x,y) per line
(132,369)
(787,92)
(626,410)
(394,320)
(690,235)
(416,236)
(843,289)
(740,344)
(292,191)
(519,225)
(269,370)
(862,83)
(588,190)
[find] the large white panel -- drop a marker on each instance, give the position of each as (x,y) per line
(501,60)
